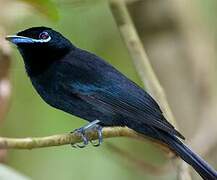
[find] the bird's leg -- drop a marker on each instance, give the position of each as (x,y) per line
(100,138)
(93,126)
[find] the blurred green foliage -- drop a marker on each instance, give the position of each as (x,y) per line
(46,7)
(89,26)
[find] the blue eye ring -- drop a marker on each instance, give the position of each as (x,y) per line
(44,35)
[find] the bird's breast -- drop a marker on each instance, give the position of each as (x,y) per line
(45,86)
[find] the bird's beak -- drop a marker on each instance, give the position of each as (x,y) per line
(19,39)
(25,40)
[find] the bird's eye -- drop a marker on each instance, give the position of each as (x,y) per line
(44,35)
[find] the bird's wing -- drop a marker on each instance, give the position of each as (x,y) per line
(101,85)
(129,106)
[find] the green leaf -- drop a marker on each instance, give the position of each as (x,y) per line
(46,7)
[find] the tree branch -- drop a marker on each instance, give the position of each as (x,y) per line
(63,139)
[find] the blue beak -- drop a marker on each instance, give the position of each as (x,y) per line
(19,39)
(25,40)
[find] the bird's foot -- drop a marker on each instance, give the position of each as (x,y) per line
(93,126)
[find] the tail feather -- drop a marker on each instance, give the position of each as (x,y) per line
(184,152)
(203,168)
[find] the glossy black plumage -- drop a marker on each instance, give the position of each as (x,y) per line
(82,84)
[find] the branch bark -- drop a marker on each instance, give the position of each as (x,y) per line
(64,139)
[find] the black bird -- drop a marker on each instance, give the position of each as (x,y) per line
(84,85)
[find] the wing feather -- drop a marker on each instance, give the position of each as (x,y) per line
(105,99)
(101,85)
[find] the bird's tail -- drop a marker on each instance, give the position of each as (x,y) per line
(185,153)
(204,169)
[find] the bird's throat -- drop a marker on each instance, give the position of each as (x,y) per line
(38,61)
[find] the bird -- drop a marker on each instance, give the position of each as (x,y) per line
(85,85)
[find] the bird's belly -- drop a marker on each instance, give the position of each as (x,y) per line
(56,97)
(79,108)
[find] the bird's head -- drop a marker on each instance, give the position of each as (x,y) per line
(40,47)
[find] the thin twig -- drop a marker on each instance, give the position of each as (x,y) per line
(143,66)
(139,56)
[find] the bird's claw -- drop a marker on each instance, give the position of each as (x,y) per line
(80,132)
(93,126)
(100,137)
